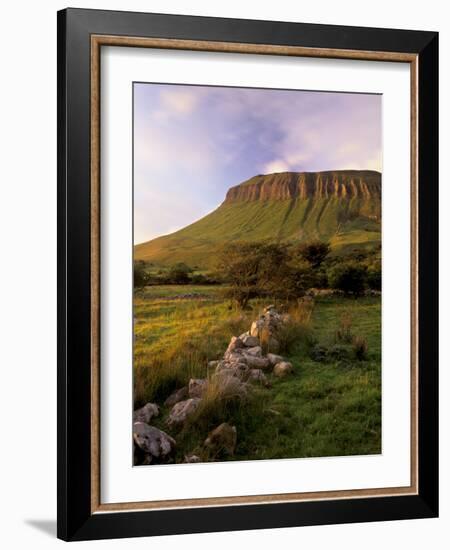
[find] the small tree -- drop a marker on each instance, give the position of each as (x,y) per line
(273,270)
(314,252)
(179,274)
(299,278)
(349,277)
(140,277)
(238,264)
(263,269)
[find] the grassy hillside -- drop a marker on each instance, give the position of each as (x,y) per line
(345,217)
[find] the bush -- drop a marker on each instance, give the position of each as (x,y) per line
(319,353)
(140,277)
(321,278)
(298,277)
(338,353)
(314,252)
(374,277)
(349,277)
(179,274)
(203,279)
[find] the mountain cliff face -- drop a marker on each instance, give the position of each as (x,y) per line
(306,185)
(342,207)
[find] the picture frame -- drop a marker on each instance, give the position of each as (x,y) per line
(81,36)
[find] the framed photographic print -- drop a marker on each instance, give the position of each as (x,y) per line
(247,251)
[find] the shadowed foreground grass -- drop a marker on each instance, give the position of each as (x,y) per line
(328,408)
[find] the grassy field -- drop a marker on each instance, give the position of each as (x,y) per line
(327,408)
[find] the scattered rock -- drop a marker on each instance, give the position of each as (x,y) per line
(191,459)
(274,359)
(231,384)
(372,292)
(146,413)
(197,387)
(249,341)
(235,344)
(265,328)
(177,396)
(283,369)
(256,328)
(233,363)
(255,351)
(156,444)
(257,362)
(257,375)
(320,292)
(225,370)
(181,411)
(222,440)
(234,357)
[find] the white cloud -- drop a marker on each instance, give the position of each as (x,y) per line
(278,165)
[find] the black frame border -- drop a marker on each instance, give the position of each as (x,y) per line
(75,521)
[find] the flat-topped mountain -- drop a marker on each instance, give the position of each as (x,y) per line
(346,184)
(342,207)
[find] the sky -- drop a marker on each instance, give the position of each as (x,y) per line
(192,143)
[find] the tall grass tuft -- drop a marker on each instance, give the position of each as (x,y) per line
(296,330)
(360,348)
(344,331)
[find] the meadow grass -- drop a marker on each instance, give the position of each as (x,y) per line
(331,408)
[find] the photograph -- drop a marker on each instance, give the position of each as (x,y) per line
(257,273)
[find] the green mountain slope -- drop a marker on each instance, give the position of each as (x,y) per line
(343,207)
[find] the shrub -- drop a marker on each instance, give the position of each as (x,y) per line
(140,277)
(321,278)
(314,252)
(349,277)
(360,348)
(239,265)
(338,353)
(203,279)
(179,274)
(297,278)
(374,277)
(319,353)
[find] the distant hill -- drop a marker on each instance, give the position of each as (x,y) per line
(342,207)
